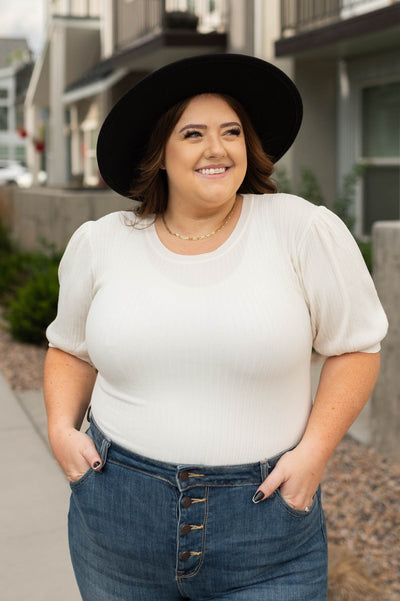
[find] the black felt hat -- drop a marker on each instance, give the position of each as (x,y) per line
(269,97)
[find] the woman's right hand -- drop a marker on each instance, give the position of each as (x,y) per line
(75,452)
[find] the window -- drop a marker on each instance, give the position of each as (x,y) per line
(381,153)
(20,154)
(3,118)
(3,93)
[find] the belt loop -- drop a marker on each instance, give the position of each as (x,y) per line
(264,468)
(105,445)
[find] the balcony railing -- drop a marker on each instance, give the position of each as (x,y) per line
(137,19)
(75,8)
(304,15)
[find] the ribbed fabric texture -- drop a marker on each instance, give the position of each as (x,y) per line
(205,359)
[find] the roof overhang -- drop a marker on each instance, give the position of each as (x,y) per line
(145,55)
(91,89)
(371,32)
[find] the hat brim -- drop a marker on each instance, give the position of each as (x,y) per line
(269,97)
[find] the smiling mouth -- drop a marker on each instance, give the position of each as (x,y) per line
(213,171)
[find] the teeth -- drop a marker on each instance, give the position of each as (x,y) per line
(212,171)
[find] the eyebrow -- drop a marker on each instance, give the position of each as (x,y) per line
(202,126)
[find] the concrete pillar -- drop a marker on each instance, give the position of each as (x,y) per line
(32,126)
(57,156)
(385,409)
(241,24)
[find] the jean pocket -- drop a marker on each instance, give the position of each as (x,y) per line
(302,513)
(102,446)
(82,479)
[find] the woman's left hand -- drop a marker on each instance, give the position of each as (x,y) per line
(297,475)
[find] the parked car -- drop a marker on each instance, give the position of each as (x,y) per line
(12,171)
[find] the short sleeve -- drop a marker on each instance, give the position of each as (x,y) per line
(67,331)
(346,314)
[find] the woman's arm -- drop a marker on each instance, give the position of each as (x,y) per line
(68,384)
(345,385)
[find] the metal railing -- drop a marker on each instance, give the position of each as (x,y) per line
(136,19)
(298,16)
(75,8)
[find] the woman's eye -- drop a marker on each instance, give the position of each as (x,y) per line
(192,134)
(233,132)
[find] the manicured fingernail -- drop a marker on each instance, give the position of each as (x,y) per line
(96,465)
(258,496)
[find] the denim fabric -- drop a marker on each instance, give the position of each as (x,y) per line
(143,530)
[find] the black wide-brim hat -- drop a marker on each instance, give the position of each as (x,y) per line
(269,97)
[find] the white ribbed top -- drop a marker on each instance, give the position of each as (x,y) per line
(206,358)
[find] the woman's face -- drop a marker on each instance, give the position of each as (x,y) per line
(205,156)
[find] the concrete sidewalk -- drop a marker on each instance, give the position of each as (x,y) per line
(34,557)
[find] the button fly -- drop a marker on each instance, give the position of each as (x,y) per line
(185,555)
(186,529)
(183,476)
(186,502)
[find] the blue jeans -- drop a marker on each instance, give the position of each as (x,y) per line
(144,530)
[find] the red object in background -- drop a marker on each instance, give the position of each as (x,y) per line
(22,132)
(39,145)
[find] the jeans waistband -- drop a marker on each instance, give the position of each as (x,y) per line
(185,475)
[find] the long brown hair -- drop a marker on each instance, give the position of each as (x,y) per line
(151,185)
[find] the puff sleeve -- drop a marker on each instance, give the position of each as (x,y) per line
(346,314)
(67,331)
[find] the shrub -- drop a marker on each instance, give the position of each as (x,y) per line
(366,251)
(34,306)
(309,188)
(28,288)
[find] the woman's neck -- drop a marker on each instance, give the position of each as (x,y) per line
(193,228)
(189,220)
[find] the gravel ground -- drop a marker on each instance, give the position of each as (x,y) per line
(361,489)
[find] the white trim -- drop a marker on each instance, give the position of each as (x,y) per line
(37,72)
(380,161)
(82,23)
(92,89)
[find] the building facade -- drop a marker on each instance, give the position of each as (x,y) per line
(15,70)
(343,54)
(345,58)
(95,50)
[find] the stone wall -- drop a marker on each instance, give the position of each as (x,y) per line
(385,409)
(53,214)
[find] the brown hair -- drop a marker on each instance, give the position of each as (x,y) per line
(151,186)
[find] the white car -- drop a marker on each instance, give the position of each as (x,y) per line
(12,171)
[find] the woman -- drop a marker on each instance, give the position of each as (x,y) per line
(189,327)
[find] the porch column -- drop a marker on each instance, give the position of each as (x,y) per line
(57,156)
(32,127)
(386,396)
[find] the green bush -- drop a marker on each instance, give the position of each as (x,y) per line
(28,288)
(34,306)
(366,251)
(310,189)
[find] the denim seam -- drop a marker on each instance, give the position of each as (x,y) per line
(77,483)
(212,485)
(135,469)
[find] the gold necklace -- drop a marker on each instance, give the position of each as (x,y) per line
(202,236)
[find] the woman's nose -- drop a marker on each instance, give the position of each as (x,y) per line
(215,147)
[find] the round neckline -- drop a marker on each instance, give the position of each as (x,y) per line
(161,249)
